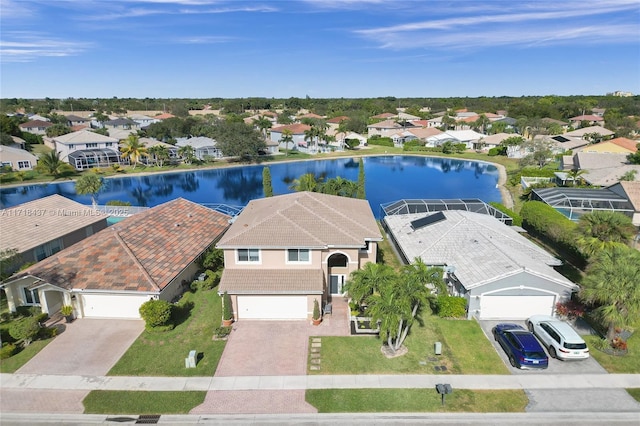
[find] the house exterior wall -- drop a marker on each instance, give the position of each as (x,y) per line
(66,149)
(17,160)
(180,283)
(523,284)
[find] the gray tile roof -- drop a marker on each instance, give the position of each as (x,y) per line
(28,225)
(481,248)
(272,281)
(303,219)
(83,136)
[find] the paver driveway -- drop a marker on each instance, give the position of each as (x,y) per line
(86,347)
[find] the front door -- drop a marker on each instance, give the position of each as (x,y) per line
(336,282)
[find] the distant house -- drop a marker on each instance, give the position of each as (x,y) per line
(614,146)
(384,116)
(86,149)
(164,116)
(37,127)
(602,169)
(204,148)
(384,128)
(172,150)
(501,274)
(122,124)
(74,120)
(17,159)
(493,141)
(150,255)
(40,228)
(576,139)
(310,115)
(341,139)
(631,191)
(592,120)
(281,253)
(469,138)
(297,131)
(144,120)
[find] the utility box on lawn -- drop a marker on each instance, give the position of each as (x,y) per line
(438,348)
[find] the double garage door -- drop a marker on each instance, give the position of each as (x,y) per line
(515,307)
(112,306)
(272,307)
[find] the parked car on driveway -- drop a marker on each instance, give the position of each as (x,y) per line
(521,346)
(562,341)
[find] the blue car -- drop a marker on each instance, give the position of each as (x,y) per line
(521,346)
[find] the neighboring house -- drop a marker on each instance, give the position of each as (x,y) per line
(575,202)
(576,139)
(601,169)
(613,146)
(435,122)
(384,128)
(493,141)
(384,116)
(593,120)
(40,228)
(164,116)
(408,117)
(297,131)
(86,149)
(74,120)
(144,120)
(150,142)
(204,148)
(38,117)
(281,253)
(341,138)
(18,143)
(631,191)
(310,115)
(150,255)
(122,124)
(468,137)
(500,273)
(37,127)
(16,158)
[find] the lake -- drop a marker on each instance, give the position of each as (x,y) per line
(388,178)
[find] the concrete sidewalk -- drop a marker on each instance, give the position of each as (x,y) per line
(533,381)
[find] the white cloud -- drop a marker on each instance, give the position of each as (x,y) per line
(27,47)
(203,40)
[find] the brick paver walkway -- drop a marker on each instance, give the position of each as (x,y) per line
(254,402)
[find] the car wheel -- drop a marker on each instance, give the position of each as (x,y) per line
(495,336)
(512,361)
(552,352)
(530,326)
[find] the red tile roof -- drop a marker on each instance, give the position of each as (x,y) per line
(626,143)
(35,123)
(384,115)
(310,115)
(144,252)
(164,116)
(587,118)
(337,120)
(296,129)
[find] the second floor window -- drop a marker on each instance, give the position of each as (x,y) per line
(298,255)
(92,145)
(248,255)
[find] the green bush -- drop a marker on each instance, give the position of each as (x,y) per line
(494,151)
(8,350)
(25,329)
(28,311)
(47,332)
(118,203)
(517,219)
(227,311)
(514,177)
(222,332)
(211,281)
(155,313)
(380,141)
(451,306)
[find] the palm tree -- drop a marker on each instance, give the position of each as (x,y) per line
(133,149)
(306,182)
(187,153)
(612,283)
(310,134)
(287,136)
(574,174)
(262,123)
(160,154)
(90,184)
(51,163)
(600,229)
(364,282)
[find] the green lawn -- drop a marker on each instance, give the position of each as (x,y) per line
(465,351)
(635,393)
(10,365)
(415,400)
(629,363)
(163,353)
(142,402)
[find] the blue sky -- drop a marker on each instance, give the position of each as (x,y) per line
(317,48)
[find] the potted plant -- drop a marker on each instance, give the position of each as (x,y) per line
(227,312)
(67,312)
(316,313)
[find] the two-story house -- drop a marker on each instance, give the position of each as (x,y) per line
(37,127)
(282,253)
(85,149)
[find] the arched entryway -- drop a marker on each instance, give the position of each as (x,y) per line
(338,269)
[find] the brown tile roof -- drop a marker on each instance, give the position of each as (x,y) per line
(386,124)
(144,252)
(28,225)
(587,118)
(337,120)
(425,132)
(310,115)
(303,219)
(164,116)
(272,281)
(626,143)
(384,115)
(79,127)
(633,193)
(35,123)
(296,129)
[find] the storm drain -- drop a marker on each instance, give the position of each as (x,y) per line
(148,419)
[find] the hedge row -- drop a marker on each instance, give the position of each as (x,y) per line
(517,219)
(380,141)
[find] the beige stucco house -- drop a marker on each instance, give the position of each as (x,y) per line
(16,158)
(282,253)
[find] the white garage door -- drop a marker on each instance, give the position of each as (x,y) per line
(112,306)
(515,307)
(272,307)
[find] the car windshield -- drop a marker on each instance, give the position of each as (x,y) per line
(575,345)
(534,355)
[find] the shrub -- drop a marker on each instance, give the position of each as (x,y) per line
(570,309)
(380,141)
(47,332)
(211,281)
(155,313)
(619,344)
(227,311)
(8,350)
(451,306)
(222,332)
(493,152)
(28,311)
(517,219)
(316,309)
(118,203)
(25,329)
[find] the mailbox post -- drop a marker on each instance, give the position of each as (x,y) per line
(444,389)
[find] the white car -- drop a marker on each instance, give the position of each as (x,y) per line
(561,340)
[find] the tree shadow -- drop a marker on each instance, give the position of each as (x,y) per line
(180,313)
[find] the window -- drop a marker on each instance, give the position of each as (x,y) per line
(92,145)
(108,144)
(248,255)
(47,249)
(24,164)
(298,255)
(31,297)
